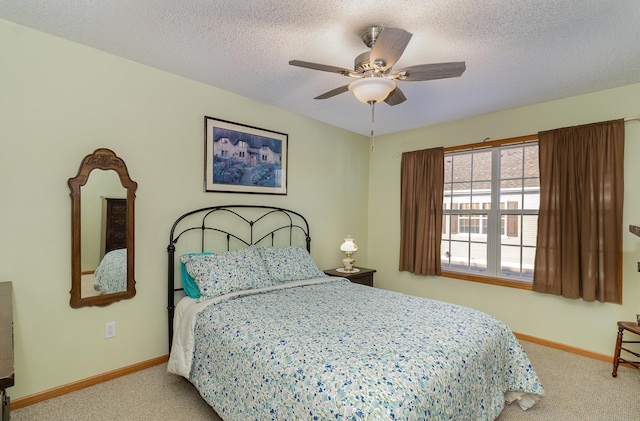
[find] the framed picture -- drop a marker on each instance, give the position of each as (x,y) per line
(244,159)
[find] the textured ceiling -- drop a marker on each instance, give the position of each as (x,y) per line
(516,52)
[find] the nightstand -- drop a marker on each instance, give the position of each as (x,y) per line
(364,277)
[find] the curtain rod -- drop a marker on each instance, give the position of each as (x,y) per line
(627,119)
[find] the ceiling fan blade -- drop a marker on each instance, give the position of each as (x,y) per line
(322,67)
(333,92)
(389,47)
(430,71)
(395,97)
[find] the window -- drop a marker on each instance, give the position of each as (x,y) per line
(490,211)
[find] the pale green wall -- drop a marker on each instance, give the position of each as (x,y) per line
(590,326)
(59,101)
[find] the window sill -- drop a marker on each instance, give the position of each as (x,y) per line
(487,280)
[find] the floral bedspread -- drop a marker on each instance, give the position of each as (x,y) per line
(342,351)
(111,273)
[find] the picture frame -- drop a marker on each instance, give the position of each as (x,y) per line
(244,159)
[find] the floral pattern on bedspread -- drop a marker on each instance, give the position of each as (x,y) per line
(111,273)
(343,351)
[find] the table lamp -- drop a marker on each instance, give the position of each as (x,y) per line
(348,247)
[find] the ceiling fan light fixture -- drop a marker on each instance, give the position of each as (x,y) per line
(372,89)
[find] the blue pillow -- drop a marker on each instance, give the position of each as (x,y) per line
(188,283)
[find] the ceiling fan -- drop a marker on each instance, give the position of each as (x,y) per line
(375,78)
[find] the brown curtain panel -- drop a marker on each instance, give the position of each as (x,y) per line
(421,195)
(580,218)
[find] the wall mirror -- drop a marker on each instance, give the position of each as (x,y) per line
(102,231)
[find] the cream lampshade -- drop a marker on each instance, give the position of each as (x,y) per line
(348,247)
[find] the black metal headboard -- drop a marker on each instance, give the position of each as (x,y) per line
(229,227)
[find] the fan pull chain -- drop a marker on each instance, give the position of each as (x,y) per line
(373,125)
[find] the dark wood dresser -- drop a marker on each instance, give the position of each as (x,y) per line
(6,347)
(115,224)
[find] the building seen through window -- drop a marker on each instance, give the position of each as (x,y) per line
(490,211)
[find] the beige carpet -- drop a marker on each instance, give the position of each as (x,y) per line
(577,388)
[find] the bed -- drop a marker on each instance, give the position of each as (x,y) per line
(111,273)
(263,334)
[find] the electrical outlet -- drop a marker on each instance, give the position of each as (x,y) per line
(109,330)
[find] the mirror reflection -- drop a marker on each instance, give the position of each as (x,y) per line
(102,231)
(103,234)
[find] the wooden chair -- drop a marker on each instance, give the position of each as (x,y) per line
(633,328)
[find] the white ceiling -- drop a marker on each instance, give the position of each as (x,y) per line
(516,52)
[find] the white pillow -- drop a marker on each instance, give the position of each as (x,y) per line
(289,263)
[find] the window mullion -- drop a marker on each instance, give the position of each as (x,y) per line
(493,234)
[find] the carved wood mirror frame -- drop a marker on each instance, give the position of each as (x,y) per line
(103,159)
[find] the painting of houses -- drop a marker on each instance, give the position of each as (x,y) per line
(249,149)
(245,160)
